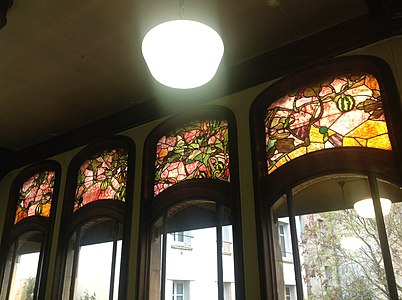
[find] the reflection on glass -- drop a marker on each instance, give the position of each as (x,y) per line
(286,281)
(195,267)
(22,266)
(93,265)
(191,264)
(339,250)
(341,256)
(393,225)
(156,261)
(93,275)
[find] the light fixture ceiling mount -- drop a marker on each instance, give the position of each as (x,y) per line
(182,54)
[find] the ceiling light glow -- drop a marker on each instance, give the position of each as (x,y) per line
(365,208)
(182,54)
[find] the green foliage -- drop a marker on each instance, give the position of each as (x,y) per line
(28,289)
(333,272)
(87,296)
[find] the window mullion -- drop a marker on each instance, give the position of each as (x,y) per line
(295,246)
(12,269)
(39,269)
(164,245)
(392,289)
(75,263)
(114,252)
(219,251)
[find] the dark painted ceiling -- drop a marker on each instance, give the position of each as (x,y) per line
(71,71)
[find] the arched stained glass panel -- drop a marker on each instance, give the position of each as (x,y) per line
(343,111)
(199,149)
(35,196)
(102,177)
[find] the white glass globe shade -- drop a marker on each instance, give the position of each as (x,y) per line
(365,208)
(182,54)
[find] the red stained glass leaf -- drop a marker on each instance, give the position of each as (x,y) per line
(199,149)
(345,111)
(102,177)
(35,196)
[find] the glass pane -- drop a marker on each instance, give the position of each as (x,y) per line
(195,266)
(102,177)
(229,291)
(393,225)
(156,261)
(24,266)
(339,249)
(35,196)
(94,262)
(341,111)
(283,251)
(199,149)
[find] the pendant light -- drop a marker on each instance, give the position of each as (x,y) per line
(365,208)
(182,54)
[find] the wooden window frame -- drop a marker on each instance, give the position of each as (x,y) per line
(220,192)
(374,162)
(11,231)
(117,210)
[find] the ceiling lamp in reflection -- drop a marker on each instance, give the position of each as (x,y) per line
(351,243)
(365,208)
(182,54)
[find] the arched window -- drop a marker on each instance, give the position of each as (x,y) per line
(325,138)
(25,246)
(96,217)
(190,210)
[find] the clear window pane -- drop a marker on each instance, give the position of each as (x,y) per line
(156,261)
(94,261)
(393,225)
(22,267)
(192,265)
(283,249)
(339,245)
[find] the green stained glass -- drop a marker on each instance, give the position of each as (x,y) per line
(35,196)
(102,177)
(199,149)
(344,111)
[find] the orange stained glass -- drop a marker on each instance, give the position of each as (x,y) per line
(199,149)
(102,177)
(343,111)
(35,196)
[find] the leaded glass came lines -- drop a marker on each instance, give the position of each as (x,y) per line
(103,177)
(339,112)
(35,196)
(199,149)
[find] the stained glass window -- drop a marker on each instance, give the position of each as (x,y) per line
(35,196)
(102,177)
(199,149)
(342,111)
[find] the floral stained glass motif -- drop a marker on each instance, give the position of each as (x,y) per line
(199,149)
(35,196)
(342,111)
(102,177)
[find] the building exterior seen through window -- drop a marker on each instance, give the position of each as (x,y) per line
(193,257)
(340,249)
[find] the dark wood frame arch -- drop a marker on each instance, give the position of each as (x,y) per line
(218,191)
(117,210)
(11,231)
(380,163)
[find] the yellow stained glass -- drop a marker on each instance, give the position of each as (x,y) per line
(343,111)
